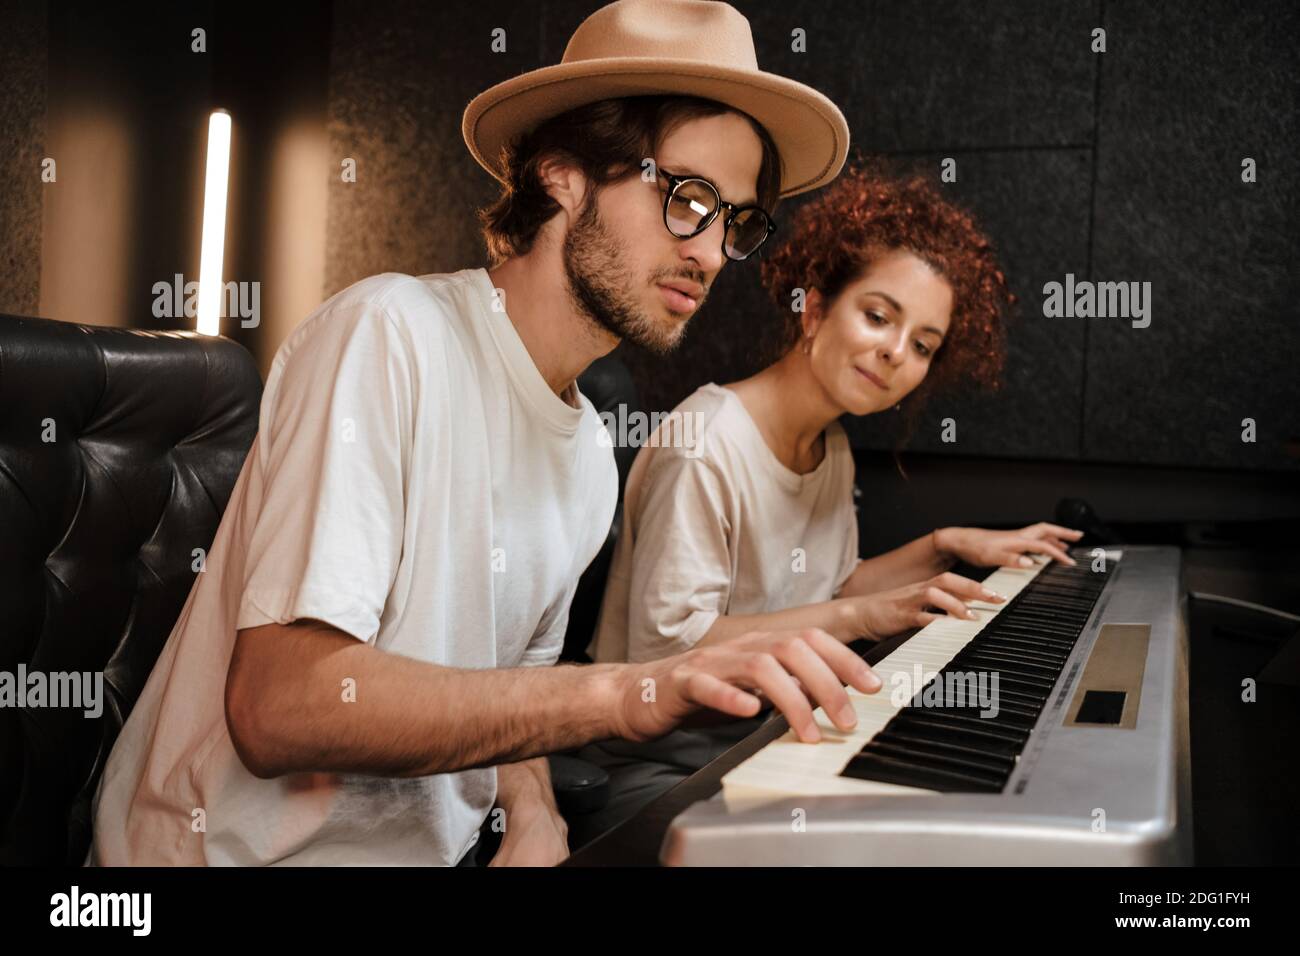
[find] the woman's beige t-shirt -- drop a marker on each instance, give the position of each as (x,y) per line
(714,523)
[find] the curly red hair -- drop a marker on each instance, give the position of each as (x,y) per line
(835,238)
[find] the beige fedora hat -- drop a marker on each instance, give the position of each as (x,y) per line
(684,47)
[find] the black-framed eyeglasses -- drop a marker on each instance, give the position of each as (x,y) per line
(692,204)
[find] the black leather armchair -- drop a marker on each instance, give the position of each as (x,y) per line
(118,451)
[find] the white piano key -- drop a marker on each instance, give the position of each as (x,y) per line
(788,767)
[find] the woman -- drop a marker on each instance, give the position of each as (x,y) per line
(739,515)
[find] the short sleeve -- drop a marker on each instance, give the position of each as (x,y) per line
(545,647)
(335,447)
(847,568)
(849,557)
(680,579)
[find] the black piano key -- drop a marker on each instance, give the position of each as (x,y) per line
(1050,593)
(1037,648)
(1010,684)
(1003,718)
(979,726)
(1029,632)
(978,661)
(1009,663)
(1050,615)
(1050,583)
(1028,702)
(1006,672)
(1069,605)
(994,759)
(1059,609)
(1016,709)
(965,700)
(1054,653)
(1031,695)
(1027,644)
(937,759)
(1028,626)
(957,736)
(1056,631)
(908,774)
(1057,656)
(1024,655)
(1074,608)
(1049,627)
(1052,666)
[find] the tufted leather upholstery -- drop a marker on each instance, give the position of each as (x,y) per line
(97,529)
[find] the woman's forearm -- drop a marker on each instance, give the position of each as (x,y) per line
(839,617)
(915,561)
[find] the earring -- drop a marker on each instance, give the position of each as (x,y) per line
(807,345)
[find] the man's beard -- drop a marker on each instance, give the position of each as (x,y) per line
(601,288)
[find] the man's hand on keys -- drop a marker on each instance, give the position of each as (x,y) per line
(796,670)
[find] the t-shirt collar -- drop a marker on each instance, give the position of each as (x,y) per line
(519,363)
(791,479)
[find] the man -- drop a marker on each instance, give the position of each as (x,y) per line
(362,670)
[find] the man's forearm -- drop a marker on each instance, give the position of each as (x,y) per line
(306,697)
(915,561)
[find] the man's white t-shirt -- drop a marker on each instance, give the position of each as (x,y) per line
(414,483)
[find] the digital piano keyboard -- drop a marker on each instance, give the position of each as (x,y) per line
(1072,751)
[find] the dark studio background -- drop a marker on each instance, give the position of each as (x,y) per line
(1122,166)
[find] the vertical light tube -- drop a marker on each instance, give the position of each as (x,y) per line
(214,223)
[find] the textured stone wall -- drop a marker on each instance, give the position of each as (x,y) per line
(23,46)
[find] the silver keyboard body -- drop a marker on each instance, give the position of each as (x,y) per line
(1079,796)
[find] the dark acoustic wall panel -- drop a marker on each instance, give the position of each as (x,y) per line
(932,73)
(1034,203)
(1011,92)
(1009,95)
(401,74)
(23,57)
(1184,99)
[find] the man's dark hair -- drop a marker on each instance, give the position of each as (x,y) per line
(606,140)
